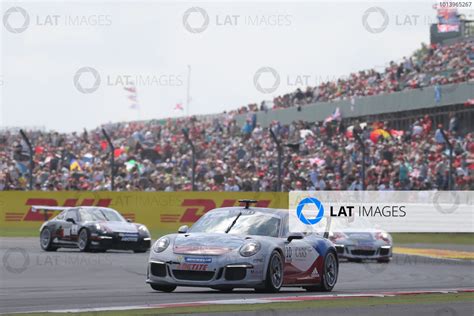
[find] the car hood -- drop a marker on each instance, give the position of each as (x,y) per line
(361,234)
(120,227)
(206,244)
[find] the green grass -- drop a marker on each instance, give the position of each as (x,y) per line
(338,303)
(398,238)
(433,238)
(19,232)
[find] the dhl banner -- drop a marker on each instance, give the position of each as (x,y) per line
(158,210)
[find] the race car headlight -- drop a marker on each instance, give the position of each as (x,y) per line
(101,228)
(250,248)
(143,229)
(161,244)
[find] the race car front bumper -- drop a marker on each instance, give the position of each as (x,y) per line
(217,272)
(117,243)
(354,252)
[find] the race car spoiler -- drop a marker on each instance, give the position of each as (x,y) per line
(46,208)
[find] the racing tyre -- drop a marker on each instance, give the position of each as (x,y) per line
(83,242)
(163,288)
(330,273)
(46,240)
(274,278)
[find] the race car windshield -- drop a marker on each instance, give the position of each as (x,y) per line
(246,224)
(97,214)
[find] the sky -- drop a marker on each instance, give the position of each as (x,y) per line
(64,64)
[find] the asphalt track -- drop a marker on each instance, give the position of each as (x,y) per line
(33,280)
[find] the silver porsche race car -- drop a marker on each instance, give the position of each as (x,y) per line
(358,241)
(242,247)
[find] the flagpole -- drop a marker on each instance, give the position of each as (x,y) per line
(138,105)
(188,88)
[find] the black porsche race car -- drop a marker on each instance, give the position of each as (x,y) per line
(92,228)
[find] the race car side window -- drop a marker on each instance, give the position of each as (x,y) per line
(61,215)
(72,214)
(285,231)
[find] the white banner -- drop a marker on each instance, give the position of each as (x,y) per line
(391,211)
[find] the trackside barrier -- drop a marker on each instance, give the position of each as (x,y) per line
(158,210)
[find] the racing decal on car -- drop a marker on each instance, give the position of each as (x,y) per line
(301,262)
(200,250)
(128,236)
(294,275)
(192,266)
(197,260)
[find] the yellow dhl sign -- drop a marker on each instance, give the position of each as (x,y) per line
(154,209)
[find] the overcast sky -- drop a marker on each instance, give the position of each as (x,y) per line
(44,45)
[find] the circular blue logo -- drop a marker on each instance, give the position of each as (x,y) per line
(310,221)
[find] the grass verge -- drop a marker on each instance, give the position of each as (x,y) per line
(398,238)
(433,238)
(317,304)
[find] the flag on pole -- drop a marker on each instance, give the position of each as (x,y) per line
(335,116)
(469,102)
(179,107)
(132,89)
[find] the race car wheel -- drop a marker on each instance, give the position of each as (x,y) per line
(329,276)
(163,288)
(274,278)
(46,241)
(83,242)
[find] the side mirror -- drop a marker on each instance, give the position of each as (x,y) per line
(183,229)
(70,220)
(295,236)
(129,220)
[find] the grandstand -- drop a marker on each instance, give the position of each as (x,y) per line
(400,115)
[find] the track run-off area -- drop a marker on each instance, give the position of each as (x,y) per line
(34,280)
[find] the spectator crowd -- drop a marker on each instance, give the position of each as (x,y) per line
(430,65)
(155,156)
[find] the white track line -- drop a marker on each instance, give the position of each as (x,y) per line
(265,300)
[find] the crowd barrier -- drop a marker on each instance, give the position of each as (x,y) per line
(157,210)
